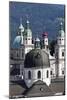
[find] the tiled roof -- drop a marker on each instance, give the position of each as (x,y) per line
(16,88)
(39,88)
(57,86)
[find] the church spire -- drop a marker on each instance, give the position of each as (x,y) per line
(21,28)
(61,30)
(37,43)
(28,29)
(61,26)
(27,24)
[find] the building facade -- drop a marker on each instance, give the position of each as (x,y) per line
(57,62)
(60,53)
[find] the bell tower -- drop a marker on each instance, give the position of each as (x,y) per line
(28,38)
(60,52)
(45,40)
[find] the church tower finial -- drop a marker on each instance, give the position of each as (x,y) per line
(37,43)
(45,40)
(27,22)
(61,30)
(21,28)
(61,26)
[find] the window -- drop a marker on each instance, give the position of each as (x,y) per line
(62,53)
(62,72)
(47,73)
(51,73)
(17,54)
(41,89)
(60,41)
(28,38)
(39,74)
(46,41)
(29,75)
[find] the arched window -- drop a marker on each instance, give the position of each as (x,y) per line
(29,75)
(62,53)
(51,72)
(39,74)
(47,73)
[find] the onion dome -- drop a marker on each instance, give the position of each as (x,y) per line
(17,41)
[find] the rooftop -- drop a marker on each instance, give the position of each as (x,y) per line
(39,88)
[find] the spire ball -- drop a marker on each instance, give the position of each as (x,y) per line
(28,22)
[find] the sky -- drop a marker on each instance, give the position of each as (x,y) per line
(42,17)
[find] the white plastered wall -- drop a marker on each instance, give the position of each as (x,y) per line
(34,76)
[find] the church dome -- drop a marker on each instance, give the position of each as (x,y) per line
(37,58)
(17,41)
(61,33)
